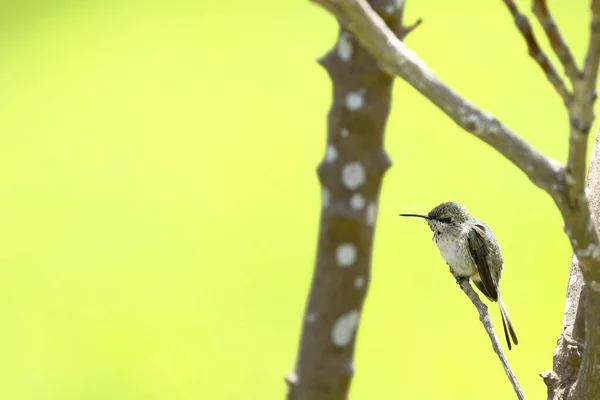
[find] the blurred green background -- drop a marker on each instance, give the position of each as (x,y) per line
(159,203)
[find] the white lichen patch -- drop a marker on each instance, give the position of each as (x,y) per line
(344,47)
(325,197)
(345,254)
(331,154)
(311,317)
(487,320)
(355,100)
(390,9)
(344,132)
(569,179)
(566,310)
(595,285)
(353,175)
(357,201)
(567,307)
(359,282)
(572,280)
(371,213)
(291,378)
(344,328)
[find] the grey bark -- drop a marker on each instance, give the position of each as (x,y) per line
(569,363)
(350,175)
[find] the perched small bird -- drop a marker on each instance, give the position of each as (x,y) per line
(471,250)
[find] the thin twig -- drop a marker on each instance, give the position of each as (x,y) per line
(562,51)
(537,53)
(405,30)
(484,317)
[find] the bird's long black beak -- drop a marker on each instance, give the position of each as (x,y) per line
(415,215)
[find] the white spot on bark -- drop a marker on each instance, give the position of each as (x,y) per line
(345,254)
(595,285)
(494,129)
(331,154)
(355,99)
(344,328)
(371,213)
(487,320)
(292,378)
(353,175)
(569,179)
(344,47)
(567,305)
(311,317)
(567,308)
(359,282)
(357,201)
(344,132)
(325,197)
(390,9)
(572,280)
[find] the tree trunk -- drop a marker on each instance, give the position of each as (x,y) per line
(350,174)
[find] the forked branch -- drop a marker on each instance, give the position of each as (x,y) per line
(562,51)
(536,52)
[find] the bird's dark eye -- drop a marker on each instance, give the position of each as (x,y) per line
(446,220)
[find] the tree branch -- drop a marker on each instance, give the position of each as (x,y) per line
(537,53)
(562,51)
(484,317)
(397,59)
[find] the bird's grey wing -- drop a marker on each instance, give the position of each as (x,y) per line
(478,250)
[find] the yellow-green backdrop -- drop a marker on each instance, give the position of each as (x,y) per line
(159,203)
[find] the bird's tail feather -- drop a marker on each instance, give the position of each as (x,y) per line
(507,324)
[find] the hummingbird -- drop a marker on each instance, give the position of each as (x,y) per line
(471,250)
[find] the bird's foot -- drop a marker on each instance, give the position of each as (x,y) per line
(461,279)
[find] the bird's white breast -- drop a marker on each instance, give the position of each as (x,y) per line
(456,254)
